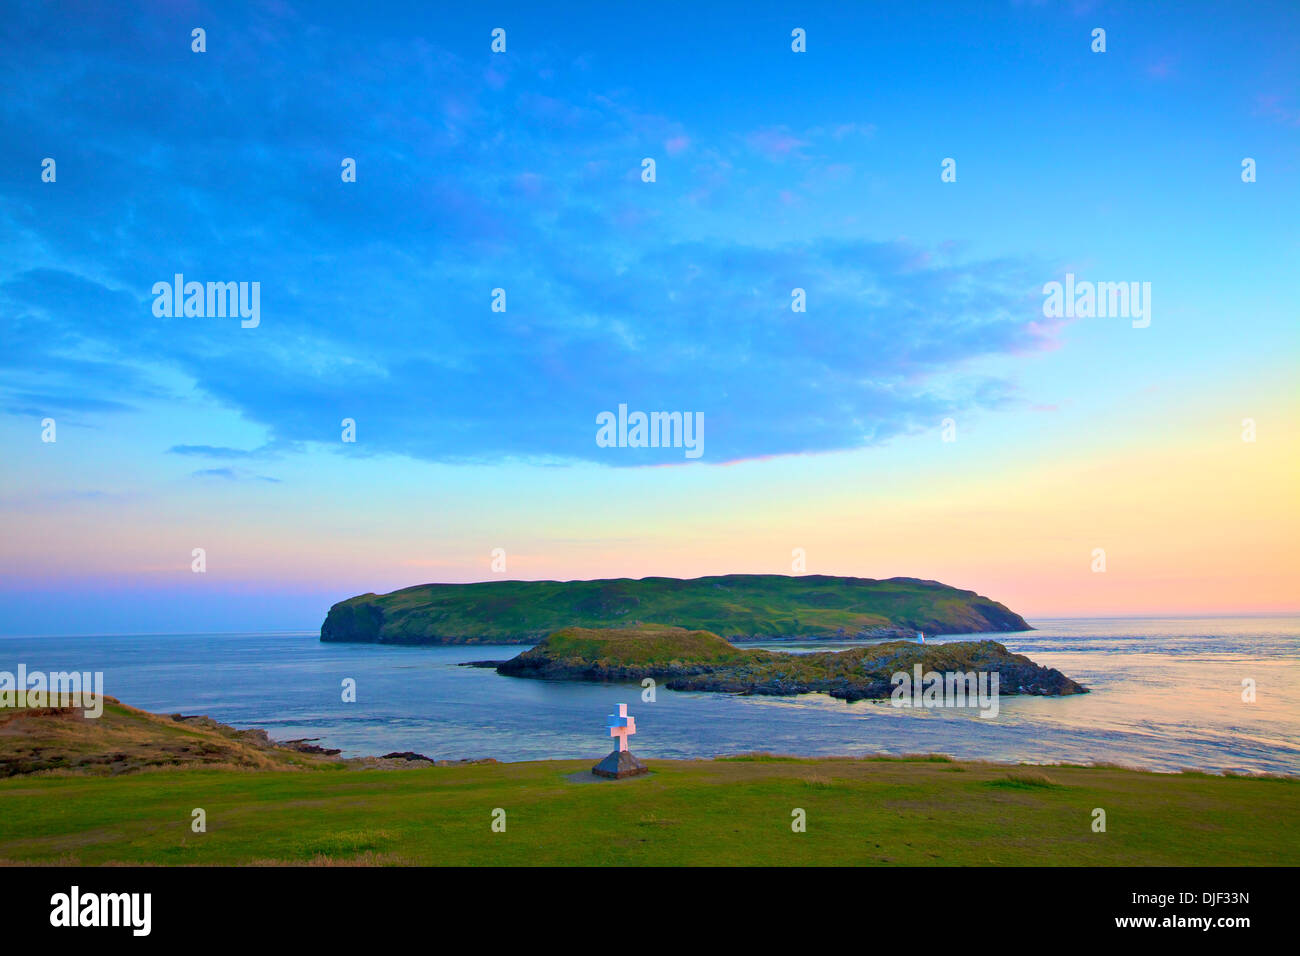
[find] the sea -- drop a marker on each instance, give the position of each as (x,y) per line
(1211,694)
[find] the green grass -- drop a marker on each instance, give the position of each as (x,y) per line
(733,605)
(642,645)
(734,811)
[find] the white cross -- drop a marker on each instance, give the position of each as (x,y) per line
(622,726)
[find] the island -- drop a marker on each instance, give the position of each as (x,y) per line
(739,607)
(699,660)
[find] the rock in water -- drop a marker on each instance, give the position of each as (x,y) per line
(700,661)
(619,764)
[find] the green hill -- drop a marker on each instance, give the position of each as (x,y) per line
(124,739)
(735,606)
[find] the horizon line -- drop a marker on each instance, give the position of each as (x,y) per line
(316,629)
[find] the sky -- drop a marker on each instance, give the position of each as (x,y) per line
(922,415)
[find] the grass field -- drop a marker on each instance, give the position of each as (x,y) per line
(715,812)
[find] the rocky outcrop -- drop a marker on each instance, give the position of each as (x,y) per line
(620,764)
(855,674)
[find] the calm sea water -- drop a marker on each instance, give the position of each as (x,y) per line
(1166,695)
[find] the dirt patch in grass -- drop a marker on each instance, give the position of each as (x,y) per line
(1025,780)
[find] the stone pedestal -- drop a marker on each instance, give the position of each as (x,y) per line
(619,764)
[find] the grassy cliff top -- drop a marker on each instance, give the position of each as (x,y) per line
(125,739)
(647,644)
(653,644)
(735,606)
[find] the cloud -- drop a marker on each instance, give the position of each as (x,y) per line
(232,474)
(221,451)
(1162,68)
(1278,109)
(375,295)
(677,144)
(776,142)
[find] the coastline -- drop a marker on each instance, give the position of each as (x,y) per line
(310,754)
(1158,700)
(860,811)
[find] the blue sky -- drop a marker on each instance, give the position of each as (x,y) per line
(521,170)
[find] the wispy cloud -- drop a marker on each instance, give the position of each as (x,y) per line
(232,474)
(376,295)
